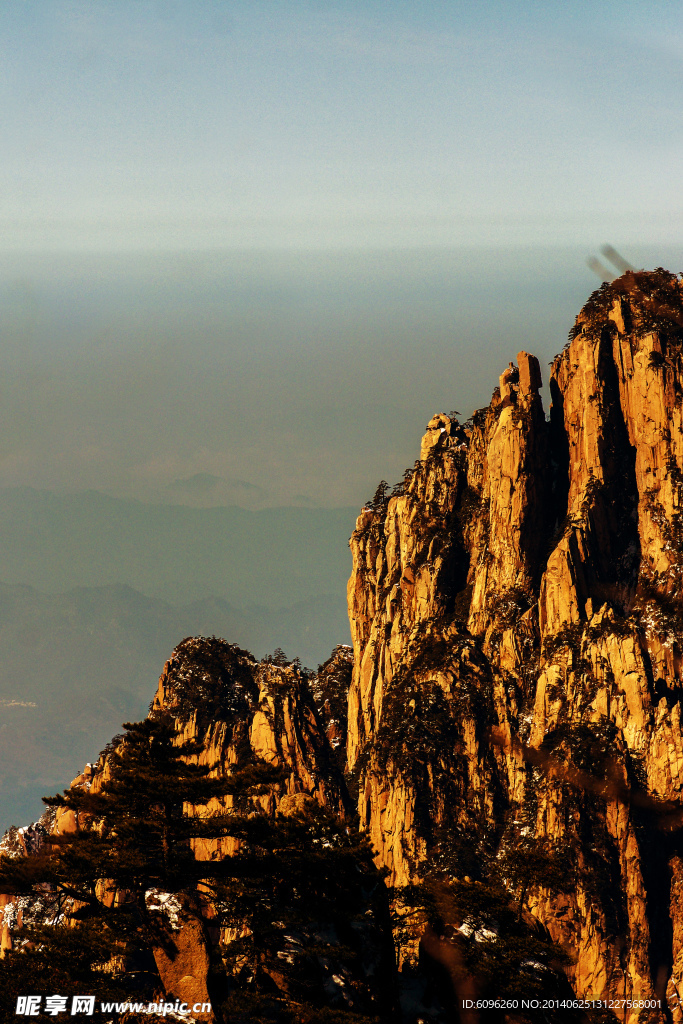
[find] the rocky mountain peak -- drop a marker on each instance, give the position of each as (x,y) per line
(524,583)
(508,720)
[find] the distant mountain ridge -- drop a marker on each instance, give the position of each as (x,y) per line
(95,591)
(74,666)
(274,557)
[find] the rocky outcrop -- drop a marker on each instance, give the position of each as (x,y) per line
(408,563)
(224,699)
(330,687)
(271,713)
(514,519)
(184,963)
(511,709)
(538,562)
(235,710)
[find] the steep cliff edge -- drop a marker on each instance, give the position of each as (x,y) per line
(515,608)
(512,729)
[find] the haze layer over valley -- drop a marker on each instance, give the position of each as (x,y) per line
(96,590)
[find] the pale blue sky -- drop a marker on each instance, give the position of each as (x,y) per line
(183,124)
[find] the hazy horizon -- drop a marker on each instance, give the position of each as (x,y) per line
(263,379)
(249,249)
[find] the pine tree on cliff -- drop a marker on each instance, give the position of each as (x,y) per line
(296,893)
(132,838)
(312,901)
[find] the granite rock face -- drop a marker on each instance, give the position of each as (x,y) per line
(511,707)
(222,698)
(234,709)
(526,580)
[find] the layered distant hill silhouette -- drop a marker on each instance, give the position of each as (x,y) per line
(273,557)
(96,591)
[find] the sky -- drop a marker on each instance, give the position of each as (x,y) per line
(174,124)
(248,249)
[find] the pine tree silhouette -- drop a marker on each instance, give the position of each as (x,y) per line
(301,895)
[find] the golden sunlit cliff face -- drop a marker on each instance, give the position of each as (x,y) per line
(515,609)
(513,721)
